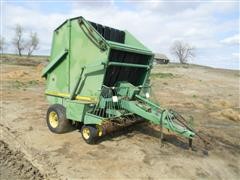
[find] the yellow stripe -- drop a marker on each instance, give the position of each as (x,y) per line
(81,98)
(57,94)
(84,98)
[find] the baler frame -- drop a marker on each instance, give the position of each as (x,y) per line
(118,92)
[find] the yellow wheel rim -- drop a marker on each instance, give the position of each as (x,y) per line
(100,130)
(86,133)
(53,119)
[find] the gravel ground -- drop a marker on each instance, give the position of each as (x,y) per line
(13,165)
(210,97)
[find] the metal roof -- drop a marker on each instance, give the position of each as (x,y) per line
(160,56)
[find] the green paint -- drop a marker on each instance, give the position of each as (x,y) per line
(92,119)
(75,110)
(80,58)
(156,117)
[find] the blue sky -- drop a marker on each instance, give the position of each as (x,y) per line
(212,27)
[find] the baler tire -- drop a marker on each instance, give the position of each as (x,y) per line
(62,125)
(92,133)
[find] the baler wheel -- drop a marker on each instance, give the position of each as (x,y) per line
(89,133)
(56,119)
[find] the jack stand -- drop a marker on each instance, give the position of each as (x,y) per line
(190,143)
(161,135)
(161,138)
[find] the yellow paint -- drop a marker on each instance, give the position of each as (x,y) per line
(81,98)
(86,133)
(53,119)
(100,130)
(84,98)
(57,94)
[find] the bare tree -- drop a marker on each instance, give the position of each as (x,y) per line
(18,41)
(32,44)
(183,51)
(3,44)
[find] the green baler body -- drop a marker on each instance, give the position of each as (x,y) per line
(90,64)
(73,50)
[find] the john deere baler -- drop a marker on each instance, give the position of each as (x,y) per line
(99,76)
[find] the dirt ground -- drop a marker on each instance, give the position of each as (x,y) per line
(207,96)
